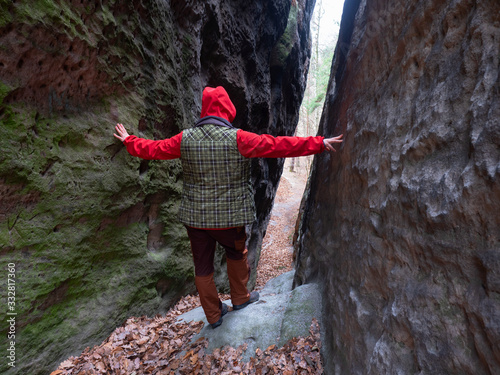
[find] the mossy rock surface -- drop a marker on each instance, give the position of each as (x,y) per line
(93,231)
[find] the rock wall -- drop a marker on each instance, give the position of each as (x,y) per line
(92,232)
(402,224)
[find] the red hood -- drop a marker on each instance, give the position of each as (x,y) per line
(216,102)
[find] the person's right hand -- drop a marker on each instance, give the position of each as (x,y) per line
(122,133)
(330,142)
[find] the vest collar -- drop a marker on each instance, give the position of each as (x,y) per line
(214,120)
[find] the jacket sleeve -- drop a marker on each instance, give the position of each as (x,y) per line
(166,149)
(253,145)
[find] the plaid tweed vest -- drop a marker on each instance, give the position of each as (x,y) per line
(217,191)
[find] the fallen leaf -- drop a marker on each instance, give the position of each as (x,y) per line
(188,354)
(67,364)
(194,359)
(100,366)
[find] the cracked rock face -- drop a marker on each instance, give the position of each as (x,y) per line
(92,231)
(402,224)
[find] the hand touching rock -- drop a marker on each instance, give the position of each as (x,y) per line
(330,142)
(122,132)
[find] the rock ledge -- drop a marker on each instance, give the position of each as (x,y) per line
(279,315)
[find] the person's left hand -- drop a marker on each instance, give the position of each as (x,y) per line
(330,142)
(122,132)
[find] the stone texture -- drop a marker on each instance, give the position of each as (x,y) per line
(92,231)
(402,224)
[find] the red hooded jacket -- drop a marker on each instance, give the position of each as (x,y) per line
(216,102)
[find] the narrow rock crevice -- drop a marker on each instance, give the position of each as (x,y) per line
(394,223)
(68,73)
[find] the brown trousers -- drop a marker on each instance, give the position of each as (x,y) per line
(203,243)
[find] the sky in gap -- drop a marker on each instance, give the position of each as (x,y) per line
(332,15)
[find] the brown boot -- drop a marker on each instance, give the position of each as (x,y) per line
(209,297)
(238,273)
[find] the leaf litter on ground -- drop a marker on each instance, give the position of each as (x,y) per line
(162,345)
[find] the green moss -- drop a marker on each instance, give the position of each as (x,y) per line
(61,16)
(73,235)
(38,10)
(5,16)
(78,232)
(4,90)
(179,267)
(106,15)
(58,14)
(8,119)
(285,44)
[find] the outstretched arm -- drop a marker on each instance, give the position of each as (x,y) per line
(330,142)
(253,145)
(166,149)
